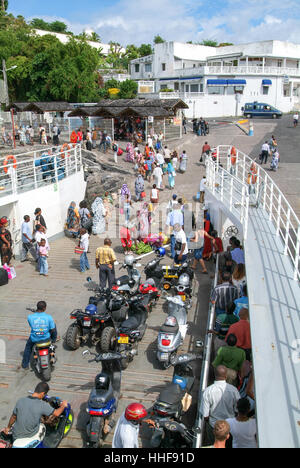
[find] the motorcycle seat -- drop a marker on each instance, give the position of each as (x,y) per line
(99,398)
(171,395)
(122,280)
(168,329)
(43,344)
(130,325)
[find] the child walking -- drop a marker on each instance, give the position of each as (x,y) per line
(43,257)
(84,244)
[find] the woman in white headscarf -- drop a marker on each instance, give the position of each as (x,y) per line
(99,213)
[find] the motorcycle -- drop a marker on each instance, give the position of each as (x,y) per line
(175,399)
(104,311)
(104,397)
(171,434)
(54,433)
(128,284)
(132,330)
(173,332)
(166,276)
(44,357)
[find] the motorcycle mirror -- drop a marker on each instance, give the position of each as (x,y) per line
(199,344)
(89,279)
(86,352)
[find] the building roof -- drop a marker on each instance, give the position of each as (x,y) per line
(41,107)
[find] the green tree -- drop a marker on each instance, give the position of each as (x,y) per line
(158,40)
(145,49)
(209,43)
(128,89)
(58,26)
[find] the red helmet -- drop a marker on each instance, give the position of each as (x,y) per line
(135,411)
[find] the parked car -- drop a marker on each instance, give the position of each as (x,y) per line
(260,109)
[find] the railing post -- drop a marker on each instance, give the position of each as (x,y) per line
(231,193)
(278,216)
(55,169)
(287,233)
(265,192)
(34,171)
(296,265)
(222,186)
(271,202)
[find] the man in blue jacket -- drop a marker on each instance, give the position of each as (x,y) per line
(43,329)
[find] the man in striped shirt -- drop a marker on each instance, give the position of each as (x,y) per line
(224,294)
(105,259)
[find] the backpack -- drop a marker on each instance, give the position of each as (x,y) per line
(115,148)
(58,131)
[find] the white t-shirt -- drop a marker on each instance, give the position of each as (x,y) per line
(160,159)
(126,434)
(243,433)
(296,117)
(181,237)
(265,147)
(84,242)
(202,185)
(154,194)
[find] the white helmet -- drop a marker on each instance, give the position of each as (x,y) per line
(184,279)
(129,260)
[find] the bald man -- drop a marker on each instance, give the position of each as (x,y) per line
(219,400)
(242,332)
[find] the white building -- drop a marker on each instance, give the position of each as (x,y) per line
(218,81)
(64,38)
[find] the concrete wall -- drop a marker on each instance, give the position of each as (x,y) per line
(54,201)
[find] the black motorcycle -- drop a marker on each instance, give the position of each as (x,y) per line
(104,397)
(171,434)
(165,276)
(175,399)
(105,311)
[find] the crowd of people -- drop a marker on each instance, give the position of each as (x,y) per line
(228,404)
(230,401)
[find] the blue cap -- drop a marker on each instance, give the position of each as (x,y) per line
(174,196)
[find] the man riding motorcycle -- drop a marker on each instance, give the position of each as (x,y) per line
(43,328)
(25,422)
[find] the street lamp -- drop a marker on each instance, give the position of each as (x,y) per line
(4,70)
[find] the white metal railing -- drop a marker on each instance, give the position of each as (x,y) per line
(233,192)
(200,424)
(265,193)
(252,70)
(32,170)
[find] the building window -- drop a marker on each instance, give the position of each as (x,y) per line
(194,88)
(176,86)
(287,90)
(148,67)
(187,88)
(265,90)
(201,88)
(137,68)
(163,67)
(216,89)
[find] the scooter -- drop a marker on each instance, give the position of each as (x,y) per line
(104,397)
(128,284)
(51,434)
(44,357)
(133,329)
(171,434)
(173,332)
(175,399)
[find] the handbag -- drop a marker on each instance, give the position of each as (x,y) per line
(120,152)
(79,250)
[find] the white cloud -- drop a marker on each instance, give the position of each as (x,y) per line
(132,22)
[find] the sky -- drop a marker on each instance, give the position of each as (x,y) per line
(138,21)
